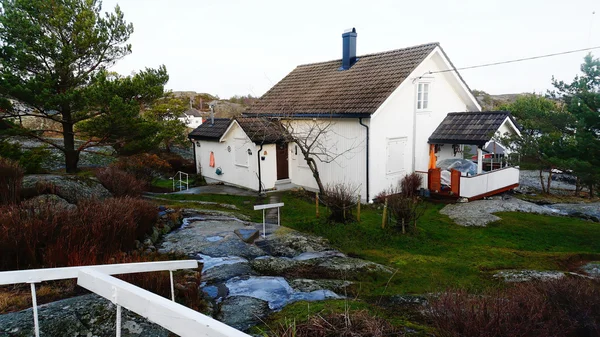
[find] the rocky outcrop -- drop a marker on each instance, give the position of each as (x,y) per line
(248,235)
(49,200)
(528,275)
(308,285)
(592,269)
(243,312)
(479,213)
(225,272)
(88,315)
(73,189)
(335,267)
(231,246)
(290,243)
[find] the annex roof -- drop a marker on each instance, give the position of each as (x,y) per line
(476,128)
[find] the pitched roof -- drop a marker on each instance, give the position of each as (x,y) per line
(208,131)
(262,130)
(475,128)
(192,112)
(322,88)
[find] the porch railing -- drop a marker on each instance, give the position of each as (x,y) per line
(164,312)
(179,178)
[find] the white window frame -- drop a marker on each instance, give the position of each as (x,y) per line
(420,101)
(243,151)
(393,171)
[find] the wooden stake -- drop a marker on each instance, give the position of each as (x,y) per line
(358,209)
(384,219)
(317,203)
(344,210)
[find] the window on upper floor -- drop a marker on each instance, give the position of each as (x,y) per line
(423,96)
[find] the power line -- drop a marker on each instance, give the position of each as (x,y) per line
(513,61)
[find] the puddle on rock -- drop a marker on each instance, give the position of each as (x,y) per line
(211,262)
(213,238)
(275,290)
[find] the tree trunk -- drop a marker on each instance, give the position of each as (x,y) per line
(71,154)
(403,227)
(542,181)
(577,186)
(591,191)
(549,181)
(315,171)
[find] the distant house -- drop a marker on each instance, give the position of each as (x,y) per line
(390,115)
(192,118)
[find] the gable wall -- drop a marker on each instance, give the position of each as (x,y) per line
(395,120)
(234,174)
(343,136)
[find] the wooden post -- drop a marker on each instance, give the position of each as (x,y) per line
(384,220)
(344,210)
(358,209)
(317,203)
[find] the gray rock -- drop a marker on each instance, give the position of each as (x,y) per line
(592,268)
(350,268)
(408,300)
(278,266)
(528,275)
(231,246)
(88,315)
(224,272)
(587,211)
(71,188)
(243,312)
(247,235)
(51,200)
(307,285)
(479,213)
(329,267)
(290,243)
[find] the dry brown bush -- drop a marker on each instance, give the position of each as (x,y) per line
(120,183)
(11,176)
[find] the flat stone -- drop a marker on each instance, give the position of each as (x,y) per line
(247,235)
(528,275)
(290,243)
(243,312)
(231,246)
(88,315)
(225,272)
(308,285)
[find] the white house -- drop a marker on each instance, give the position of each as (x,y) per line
(380,109)
(192,118)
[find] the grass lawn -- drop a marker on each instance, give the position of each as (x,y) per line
(441,255)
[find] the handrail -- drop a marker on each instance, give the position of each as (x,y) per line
(181,180)
(488,172)
(97,278)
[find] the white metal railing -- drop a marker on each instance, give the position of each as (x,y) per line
(167,313)
(265,207)
(181,183)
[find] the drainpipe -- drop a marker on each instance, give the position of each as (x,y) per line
(367,128)
(194,149)
(259,173)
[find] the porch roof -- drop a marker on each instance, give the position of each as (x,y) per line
(473,128)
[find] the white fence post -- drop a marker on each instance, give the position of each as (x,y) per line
(36,323)
(172,286)
(118,327)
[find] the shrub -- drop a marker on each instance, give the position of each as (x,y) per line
(348,324)
(404,204)
(120,183)
(42,235)
(178,163)
(144,166)
(567,307)
(11,176)
(340,199)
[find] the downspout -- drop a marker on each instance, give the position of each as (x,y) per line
(259,173)
(366,127)
(194,149)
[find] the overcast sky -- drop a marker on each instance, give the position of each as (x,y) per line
(229,47)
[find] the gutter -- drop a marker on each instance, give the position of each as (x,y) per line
(194,149)
(308,115)
(259,172)
(367,129)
